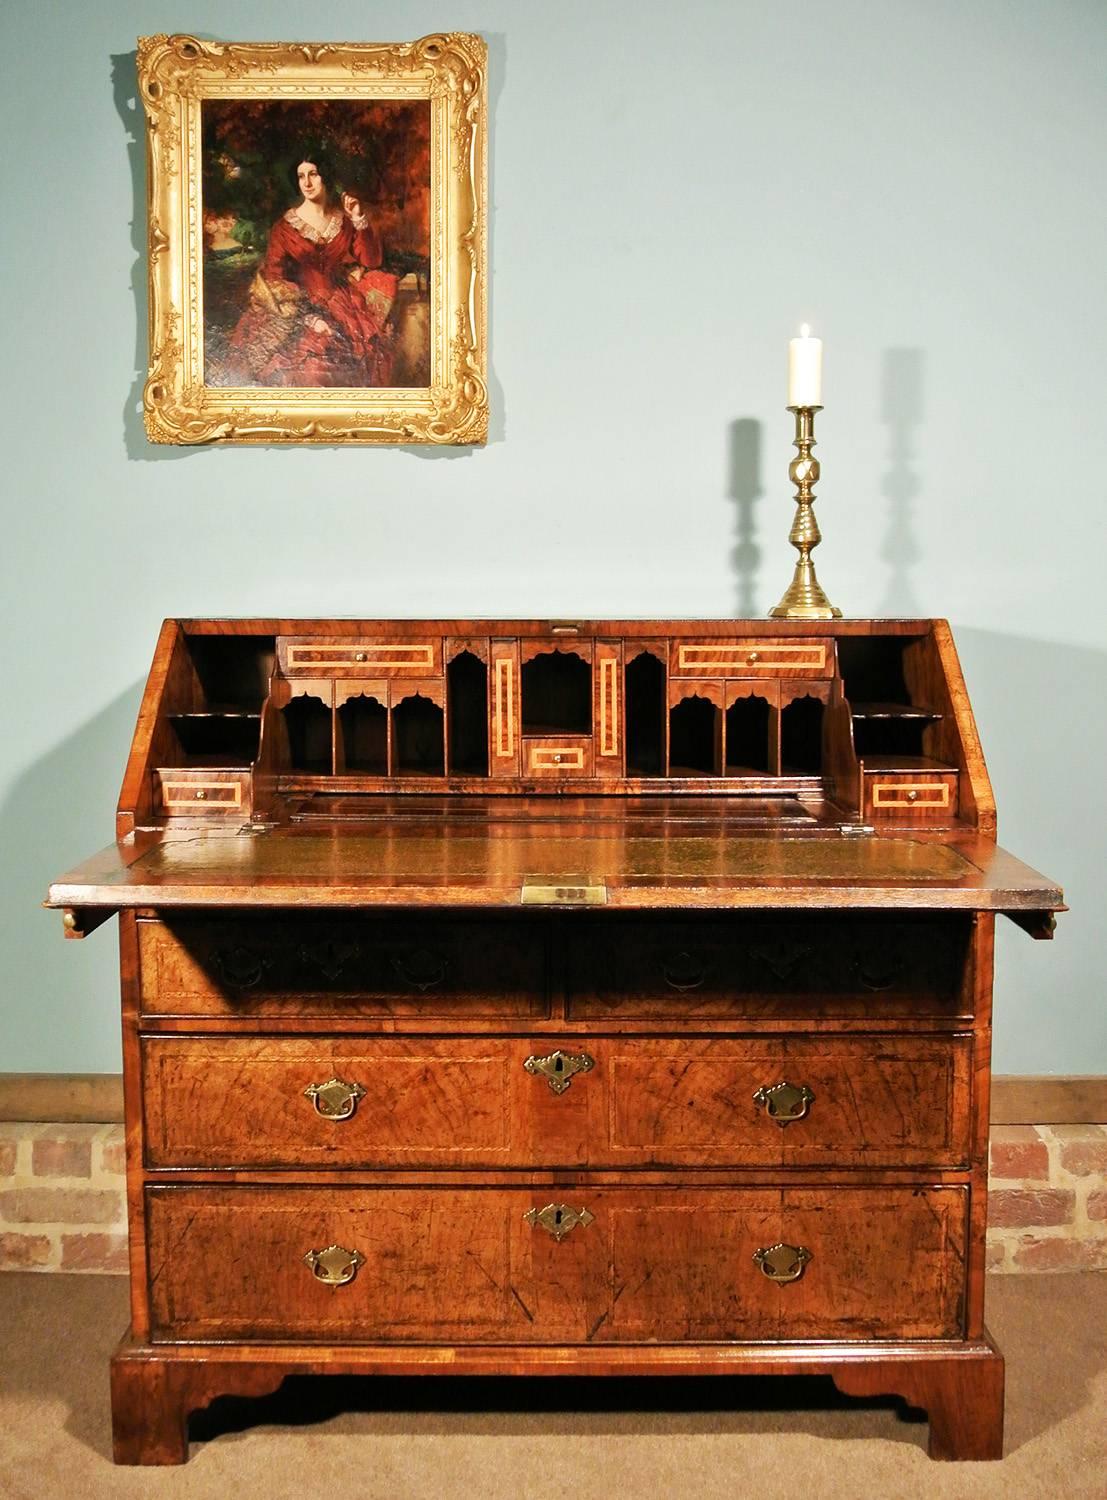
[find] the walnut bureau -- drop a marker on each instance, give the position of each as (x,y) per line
(548,997)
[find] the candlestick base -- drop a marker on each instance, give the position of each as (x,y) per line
(804,598)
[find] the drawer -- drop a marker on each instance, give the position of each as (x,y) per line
(316,656)
(768,965)
(555,1264)
(914,797)
(421,1102)
(563,755)
(288,964)
(203,793)
(751,658)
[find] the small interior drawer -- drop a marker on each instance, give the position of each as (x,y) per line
(203,793)
(316,656)
(561,755)
(751,658)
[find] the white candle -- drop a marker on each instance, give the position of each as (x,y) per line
(805,370)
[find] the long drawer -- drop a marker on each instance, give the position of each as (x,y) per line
(607,1101)
(766,965)
(288,964)
(563,1264)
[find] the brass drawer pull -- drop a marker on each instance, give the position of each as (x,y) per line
(334,1266)
(782,1262)
(334,1100)
(558,1068)
(784,1102)
(329,956)
(240,967)
(421,969)
(683,972)
(557,1219)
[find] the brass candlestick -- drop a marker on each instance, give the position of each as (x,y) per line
(804,598)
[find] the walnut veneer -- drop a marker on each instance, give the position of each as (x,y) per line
(543,997)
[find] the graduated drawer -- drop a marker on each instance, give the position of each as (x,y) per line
(315,656)
(453,1264)
(622,1102)
(817,964)
(751,658)
(203,793)
(916,797)
(287,964)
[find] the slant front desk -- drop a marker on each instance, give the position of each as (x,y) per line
(530,997)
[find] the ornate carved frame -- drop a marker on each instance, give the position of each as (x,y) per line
(175,74)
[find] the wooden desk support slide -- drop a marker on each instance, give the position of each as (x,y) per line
(548,997)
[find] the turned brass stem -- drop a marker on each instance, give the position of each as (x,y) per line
(804,599)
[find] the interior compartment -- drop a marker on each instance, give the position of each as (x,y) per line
(363,736)
(308,722)
(216,739)
(694,738)
(557,694)
(644,698)
(748,737)
(801,737)
(467,717)
(234,670)
(418,747)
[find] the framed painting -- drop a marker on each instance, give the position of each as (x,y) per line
(317,241)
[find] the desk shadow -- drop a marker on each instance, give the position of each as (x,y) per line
(745,489)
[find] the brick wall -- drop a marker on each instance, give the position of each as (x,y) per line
(61,1198)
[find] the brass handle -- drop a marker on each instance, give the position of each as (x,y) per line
(557,1219)
(329,956)
(782,1262)
(334,1266)
(784,1102)
(240,967)
(683,972)
(876,973)
(559,1068)
(334,1100)
(421,969)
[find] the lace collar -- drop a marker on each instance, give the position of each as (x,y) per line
(314,236)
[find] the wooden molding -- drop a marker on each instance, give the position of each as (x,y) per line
(97,1098)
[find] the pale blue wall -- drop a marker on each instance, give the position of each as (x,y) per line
(674,188)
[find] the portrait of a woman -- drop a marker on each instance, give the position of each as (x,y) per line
(319,305)
(316,268)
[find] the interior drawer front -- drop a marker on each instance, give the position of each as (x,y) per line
(287,964)
(751,658)
(917,797)
(819,964)
(445,1265)
(633,1102)
(316,656)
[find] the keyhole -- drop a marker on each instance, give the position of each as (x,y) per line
(557,1218)
(559,1065)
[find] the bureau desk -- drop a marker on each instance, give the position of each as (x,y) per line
(532,997)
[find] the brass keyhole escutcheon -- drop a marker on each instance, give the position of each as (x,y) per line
(558,1219)
(559,1068)
(334,1266)
(782,1263)
(784,1102)
(334,1100)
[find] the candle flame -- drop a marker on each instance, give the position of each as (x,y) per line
(805,330)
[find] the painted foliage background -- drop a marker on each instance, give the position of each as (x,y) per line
(379,151)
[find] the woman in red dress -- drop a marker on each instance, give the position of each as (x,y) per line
(319,305)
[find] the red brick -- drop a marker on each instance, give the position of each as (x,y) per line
(1061,1255)
(1086,1158)
(1020,1207)
(1024,1160)
(94,1252)
(1097,1205)
(21,1251)
(114,1157)
(61,1156)
(8,1149)
(57,1205)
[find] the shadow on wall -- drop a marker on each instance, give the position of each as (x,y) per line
(745,489)
(901,411)
(1041,709)
(124,78)
(62,997)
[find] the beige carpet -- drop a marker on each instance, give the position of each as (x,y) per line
(551,1440)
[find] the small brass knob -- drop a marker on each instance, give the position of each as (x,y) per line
(200,795)
(557,758)
(361,656)
(753,656)
(912,796)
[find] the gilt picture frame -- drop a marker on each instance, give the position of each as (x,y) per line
(317,241)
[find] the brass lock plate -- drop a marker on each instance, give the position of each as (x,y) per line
(563,890)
